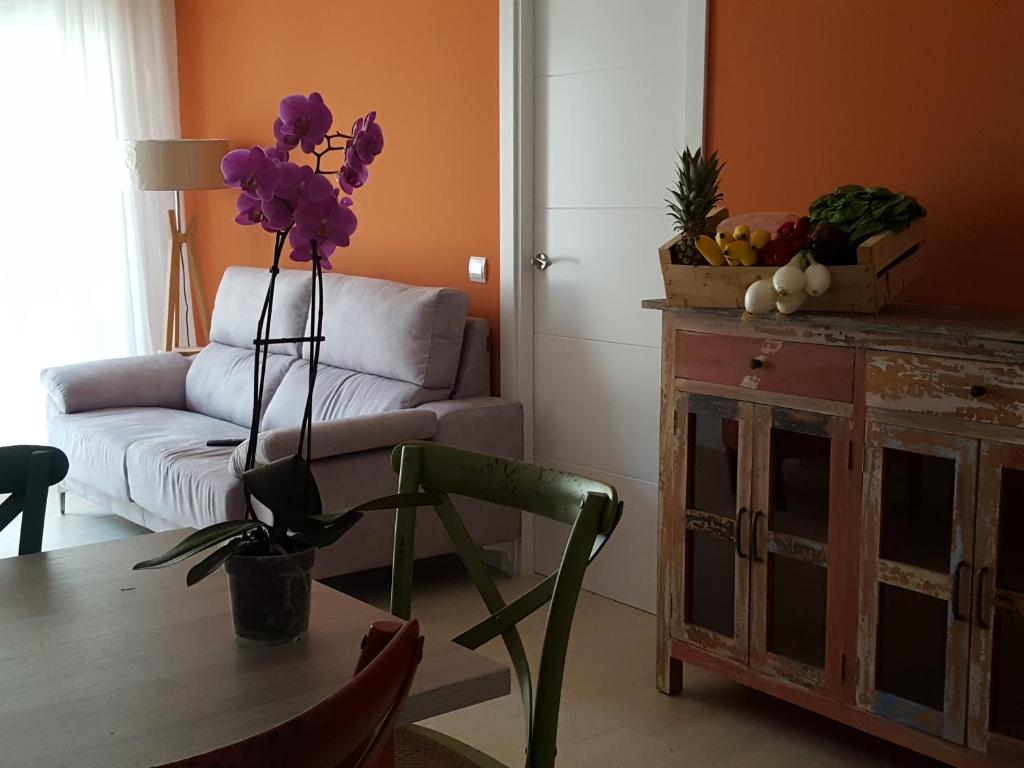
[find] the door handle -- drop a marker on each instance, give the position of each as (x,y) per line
(958,614)
(979,597)
(738,533)
(754,554)
(541,261)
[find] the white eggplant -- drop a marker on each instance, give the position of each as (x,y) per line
(760,297)
(791,302)
(819,279)
(790,278)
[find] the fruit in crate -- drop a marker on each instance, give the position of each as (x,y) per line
(723,239)
(691,202)
(710,250)
(740,253)
(741,232)
(828,243)
(759,238)
(789,239)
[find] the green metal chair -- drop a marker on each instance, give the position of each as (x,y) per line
(592,509)
(26,473)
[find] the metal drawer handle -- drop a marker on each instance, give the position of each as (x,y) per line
(754,554)
(756,363)
(738,533)
(977,390)
(958,615)
(982,614)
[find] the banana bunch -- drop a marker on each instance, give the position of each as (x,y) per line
(738,249)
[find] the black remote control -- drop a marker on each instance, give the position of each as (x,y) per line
(225,442)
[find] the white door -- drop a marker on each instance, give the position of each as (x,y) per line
(616,94)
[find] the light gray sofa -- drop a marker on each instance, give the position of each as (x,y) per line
(399,363)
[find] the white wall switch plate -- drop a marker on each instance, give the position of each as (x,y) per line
(478,269)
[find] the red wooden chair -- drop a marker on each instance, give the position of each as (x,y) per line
(353,728)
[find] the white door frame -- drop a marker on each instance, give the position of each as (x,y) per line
(515,76)
(516,163)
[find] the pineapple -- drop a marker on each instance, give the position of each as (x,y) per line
(695,194)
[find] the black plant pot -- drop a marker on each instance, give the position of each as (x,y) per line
(270,595)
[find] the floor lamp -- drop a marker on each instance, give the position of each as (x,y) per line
(179,165)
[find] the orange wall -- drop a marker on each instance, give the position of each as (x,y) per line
(430,69)
(917,95)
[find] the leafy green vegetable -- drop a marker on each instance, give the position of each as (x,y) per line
(865,211)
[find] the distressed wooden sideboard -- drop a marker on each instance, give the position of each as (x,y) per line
(842,519)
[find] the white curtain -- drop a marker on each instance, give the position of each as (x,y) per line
(82,258)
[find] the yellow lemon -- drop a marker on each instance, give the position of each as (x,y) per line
(742,232)
(723,238)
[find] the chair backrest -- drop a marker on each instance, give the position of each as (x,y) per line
(350,729)
(592,509)
(26,473)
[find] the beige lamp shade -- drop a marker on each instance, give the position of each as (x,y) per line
(173,165)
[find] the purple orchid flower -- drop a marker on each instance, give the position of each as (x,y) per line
(285,142)
(329,223)
(251,171)
(300,183)
(277,153)
(296,185)
(353,174)
(367,138)
(250,211)
(277,214)
(305,120)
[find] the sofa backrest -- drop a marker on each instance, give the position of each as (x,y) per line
(387,346)
(404,332)
(219,381)
(474,376)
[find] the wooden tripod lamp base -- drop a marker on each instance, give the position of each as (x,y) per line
(183,253)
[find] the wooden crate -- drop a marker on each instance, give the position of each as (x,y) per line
(886,263)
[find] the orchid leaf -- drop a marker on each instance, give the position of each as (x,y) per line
(212,562)
(395,501)
(198,541)
(286,487)
(321,535)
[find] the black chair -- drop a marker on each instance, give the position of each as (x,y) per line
(27,472)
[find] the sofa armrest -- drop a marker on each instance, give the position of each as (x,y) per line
(342,436)
(145,381)
(488,424)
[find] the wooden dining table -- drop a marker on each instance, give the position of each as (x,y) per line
(108,667)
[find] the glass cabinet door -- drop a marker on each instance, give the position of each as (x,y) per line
(801,476)
(996,724)
(714,496)
(917,549)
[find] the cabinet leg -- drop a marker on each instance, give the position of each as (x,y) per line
(670,675)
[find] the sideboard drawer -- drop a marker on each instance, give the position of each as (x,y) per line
(992,393)
(770,365)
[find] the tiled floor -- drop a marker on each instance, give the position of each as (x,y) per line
(84,523)
(612,716)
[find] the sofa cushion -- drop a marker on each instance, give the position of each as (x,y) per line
(219,382)
(397,331)
(236,312)
(339,394)
(182,480)
(97,442)
(474,376)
